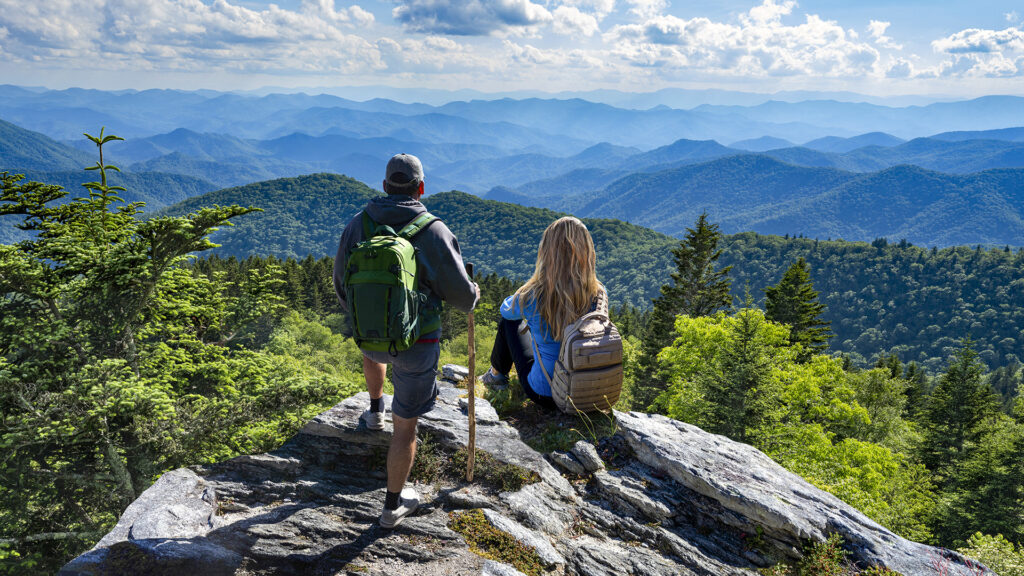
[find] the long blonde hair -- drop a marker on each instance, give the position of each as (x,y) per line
(564,284)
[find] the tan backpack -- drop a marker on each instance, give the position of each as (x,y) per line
(588,372)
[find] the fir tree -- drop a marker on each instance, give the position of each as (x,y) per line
(955,410)
(698,288)
(917,387)
(794,301)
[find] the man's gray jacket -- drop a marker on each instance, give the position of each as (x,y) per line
(438,258)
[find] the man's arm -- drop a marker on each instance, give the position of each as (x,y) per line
(445,271)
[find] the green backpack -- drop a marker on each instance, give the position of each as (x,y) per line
(387,310)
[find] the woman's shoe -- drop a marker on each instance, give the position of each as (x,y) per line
(493,380)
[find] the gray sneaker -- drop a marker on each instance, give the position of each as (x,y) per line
(407,504)
(493,381)
(374,420)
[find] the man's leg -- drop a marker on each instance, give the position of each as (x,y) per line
(401,452)
(375,374)
(414,373)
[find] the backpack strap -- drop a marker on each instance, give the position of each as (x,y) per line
(417,225)
(538,359)
(369,226)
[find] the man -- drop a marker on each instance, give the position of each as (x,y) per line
(442,276)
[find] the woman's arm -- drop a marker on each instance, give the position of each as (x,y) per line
(510,309)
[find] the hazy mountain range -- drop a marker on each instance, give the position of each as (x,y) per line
(942,173)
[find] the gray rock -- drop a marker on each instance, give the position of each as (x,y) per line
(157,557)
(631,493)
(567,462)
(492,568)
(527,537)
(587,455)
(485,413)
(743,480)
(678,502)
(454,373)
(470,497)
(542,508)
(180,504)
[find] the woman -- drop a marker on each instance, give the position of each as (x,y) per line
(563,287)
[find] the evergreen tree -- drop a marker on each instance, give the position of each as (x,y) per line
(115,364)
(985,492)
(1005,380)
(917,387)
(698,288)
(955,410)
(794,301)
(741,396)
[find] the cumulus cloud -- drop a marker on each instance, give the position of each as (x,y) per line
(571,22)
(647,8)
(899,68)
(190,35)
(877,30)
(470,17)
(1012,17)
(599,8)
(760,44)
(982,52)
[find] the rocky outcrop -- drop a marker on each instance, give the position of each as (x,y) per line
(665,499)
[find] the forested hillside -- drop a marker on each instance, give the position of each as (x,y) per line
(880,297)
(756,192)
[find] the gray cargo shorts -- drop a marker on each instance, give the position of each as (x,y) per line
(414,376)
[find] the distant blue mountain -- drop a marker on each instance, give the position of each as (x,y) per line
(1008,134)
(762,144)
(760,193)
(841,145)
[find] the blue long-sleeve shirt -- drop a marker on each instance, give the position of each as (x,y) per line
(512,309)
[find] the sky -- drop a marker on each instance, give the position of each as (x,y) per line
(878,47)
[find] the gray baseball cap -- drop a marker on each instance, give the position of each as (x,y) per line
(403,170)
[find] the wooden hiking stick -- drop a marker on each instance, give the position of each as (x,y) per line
(471,386)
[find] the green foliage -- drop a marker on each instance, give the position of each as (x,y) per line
(741,374)
(819,559)
(984,490)
(955,409)
(793,301)
(698,288)
(995,552)
(301,216)
(489,542)
(899,298)
(880,299)
(118,363)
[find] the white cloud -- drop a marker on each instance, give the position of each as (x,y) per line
(768,13)
(571,22)
(760,44)
(1012,17)
(877,30)
(647,8)
(470,17)
(190,35)
(899,68)
(599,8)
(979,52)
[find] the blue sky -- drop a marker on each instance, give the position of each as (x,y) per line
(873,47)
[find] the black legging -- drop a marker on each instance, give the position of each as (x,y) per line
(513,347)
